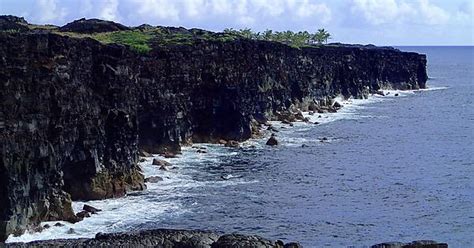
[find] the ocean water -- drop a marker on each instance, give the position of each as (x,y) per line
(392,169)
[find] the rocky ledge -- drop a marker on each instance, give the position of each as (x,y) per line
(74,112)
(169,238)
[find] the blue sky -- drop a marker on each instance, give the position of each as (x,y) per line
(380,22)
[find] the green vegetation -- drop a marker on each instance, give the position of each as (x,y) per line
(298,39)
(144,39)
(136,39)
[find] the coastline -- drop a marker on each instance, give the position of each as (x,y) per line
(57,149)
(349,110)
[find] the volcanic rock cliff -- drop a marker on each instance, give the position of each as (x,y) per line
(75,112)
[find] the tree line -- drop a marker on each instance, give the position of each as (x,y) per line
(288,37)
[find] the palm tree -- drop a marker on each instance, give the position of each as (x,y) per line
(321,36)
(246,33)
(267,35)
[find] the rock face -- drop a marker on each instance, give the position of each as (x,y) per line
(68,127)
(74,112)
(212,91)
(161,238)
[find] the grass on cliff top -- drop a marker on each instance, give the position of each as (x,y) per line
(137,40)
(142,41)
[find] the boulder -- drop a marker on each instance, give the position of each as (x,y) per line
(222,142)
(153,179)
(396,94)
(414,244)
(83,214)
(160,163)
(58,224)
(337,105)
(91,209)
(242,241)
(285,116)
(299,116)
(272,141)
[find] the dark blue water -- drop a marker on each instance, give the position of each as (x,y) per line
(398,169)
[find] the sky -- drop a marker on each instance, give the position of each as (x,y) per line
(379,22)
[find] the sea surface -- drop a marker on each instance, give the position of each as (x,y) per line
(393,168)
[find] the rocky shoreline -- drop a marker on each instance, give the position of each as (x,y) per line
(170,238)
(76,112)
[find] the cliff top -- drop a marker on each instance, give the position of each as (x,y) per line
(141,39)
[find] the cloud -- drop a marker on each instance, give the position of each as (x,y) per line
(154,9)
(109,10)
(241,12)
(48,11)
(308,9)
(432,14)
(377,12)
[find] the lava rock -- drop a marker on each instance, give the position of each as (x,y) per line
(91,209)
(83,214)
(272,141)
(242,241)
(160,163)
(153,179)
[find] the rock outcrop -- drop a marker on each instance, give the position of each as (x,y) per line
(74,112)
(161,238)
(170,238)
(89,26)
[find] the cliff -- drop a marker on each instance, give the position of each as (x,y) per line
(75,111)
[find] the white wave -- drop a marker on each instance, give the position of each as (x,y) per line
(434,88)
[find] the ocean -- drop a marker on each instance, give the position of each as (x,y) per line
(393,168)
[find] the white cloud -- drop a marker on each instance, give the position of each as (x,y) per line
(109,10)
(309,9)
(433,14)
(378,12)
(241,12)
(48,11)
(195,8)
(155,9)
